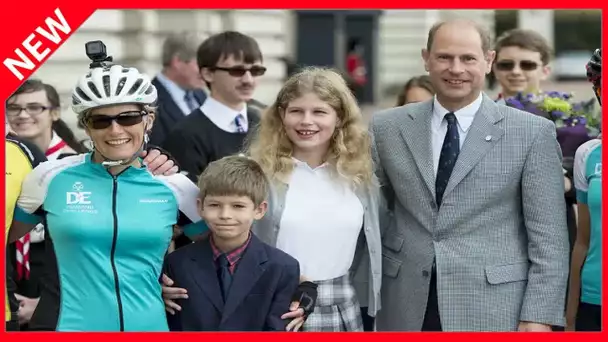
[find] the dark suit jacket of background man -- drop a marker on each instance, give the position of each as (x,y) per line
(168,112)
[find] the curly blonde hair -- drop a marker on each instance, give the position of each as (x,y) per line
(350,149)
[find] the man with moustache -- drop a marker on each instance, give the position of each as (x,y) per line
(471,245)
(230,64)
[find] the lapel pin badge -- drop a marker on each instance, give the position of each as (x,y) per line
(488,137)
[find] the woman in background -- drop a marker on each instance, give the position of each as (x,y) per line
(34,112)
(416,89)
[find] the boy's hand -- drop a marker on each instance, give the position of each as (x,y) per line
(171,293)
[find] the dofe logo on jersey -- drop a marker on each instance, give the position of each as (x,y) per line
(78,196)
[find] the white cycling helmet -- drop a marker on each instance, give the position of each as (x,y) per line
(112,85)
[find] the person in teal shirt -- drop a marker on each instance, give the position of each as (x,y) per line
(108,219)
(584,307)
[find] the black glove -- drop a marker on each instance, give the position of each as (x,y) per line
(306,294)
(594,73)
(150,147)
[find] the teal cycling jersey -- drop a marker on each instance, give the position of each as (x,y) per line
(588,184)
(109,236)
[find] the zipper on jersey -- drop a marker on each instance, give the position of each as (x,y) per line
(113,251)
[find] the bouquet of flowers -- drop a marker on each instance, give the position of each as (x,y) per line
(576,122)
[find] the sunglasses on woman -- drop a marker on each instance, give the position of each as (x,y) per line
(508,65)
(124,119)
(239,71)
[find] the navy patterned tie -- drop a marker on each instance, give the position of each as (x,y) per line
(448,156)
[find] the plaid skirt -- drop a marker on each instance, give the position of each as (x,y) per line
(336,309)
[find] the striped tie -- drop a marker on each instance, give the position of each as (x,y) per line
(190,101)
(239,124)
(23,257)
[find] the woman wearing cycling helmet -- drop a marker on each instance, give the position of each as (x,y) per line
(109,221)
(584,307)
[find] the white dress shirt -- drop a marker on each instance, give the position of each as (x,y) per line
(321,222)
(223,116)
(439,126)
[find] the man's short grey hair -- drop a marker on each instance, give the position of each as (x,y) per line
(484,34)
(183,45)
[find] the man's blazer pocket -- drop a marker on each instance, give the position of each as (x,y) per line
(393,242)
(390,266)
(502,274)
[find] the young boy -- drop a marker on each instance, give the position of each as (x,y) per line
(522,62)
(235,282)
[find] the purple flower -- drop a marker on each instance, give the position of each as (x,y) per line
(514,102)
(557,114)
(580,120)
(575,121)
(559,95)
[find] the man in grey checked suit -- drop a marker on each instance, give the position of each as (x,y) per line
(478,227)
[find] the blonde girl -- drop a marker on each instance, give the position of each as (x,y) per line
(314,147)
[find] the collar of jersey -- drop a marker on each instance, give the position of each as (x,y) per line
(128,172)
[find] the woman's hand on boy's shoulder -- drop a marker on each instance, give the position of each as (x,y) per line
(159,163)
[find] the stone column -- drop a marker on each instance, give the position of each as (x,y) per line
(541,21)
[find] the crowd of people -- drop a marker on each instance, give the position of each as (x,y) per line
(193,207)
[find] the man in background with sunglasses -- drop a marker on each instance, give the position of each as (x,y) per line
(230,64)
(522,62)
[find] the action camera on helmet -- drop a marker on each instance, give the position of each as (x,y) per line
(96,51)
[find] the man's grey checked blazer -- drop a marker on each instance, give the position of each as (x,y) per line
(500,238)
